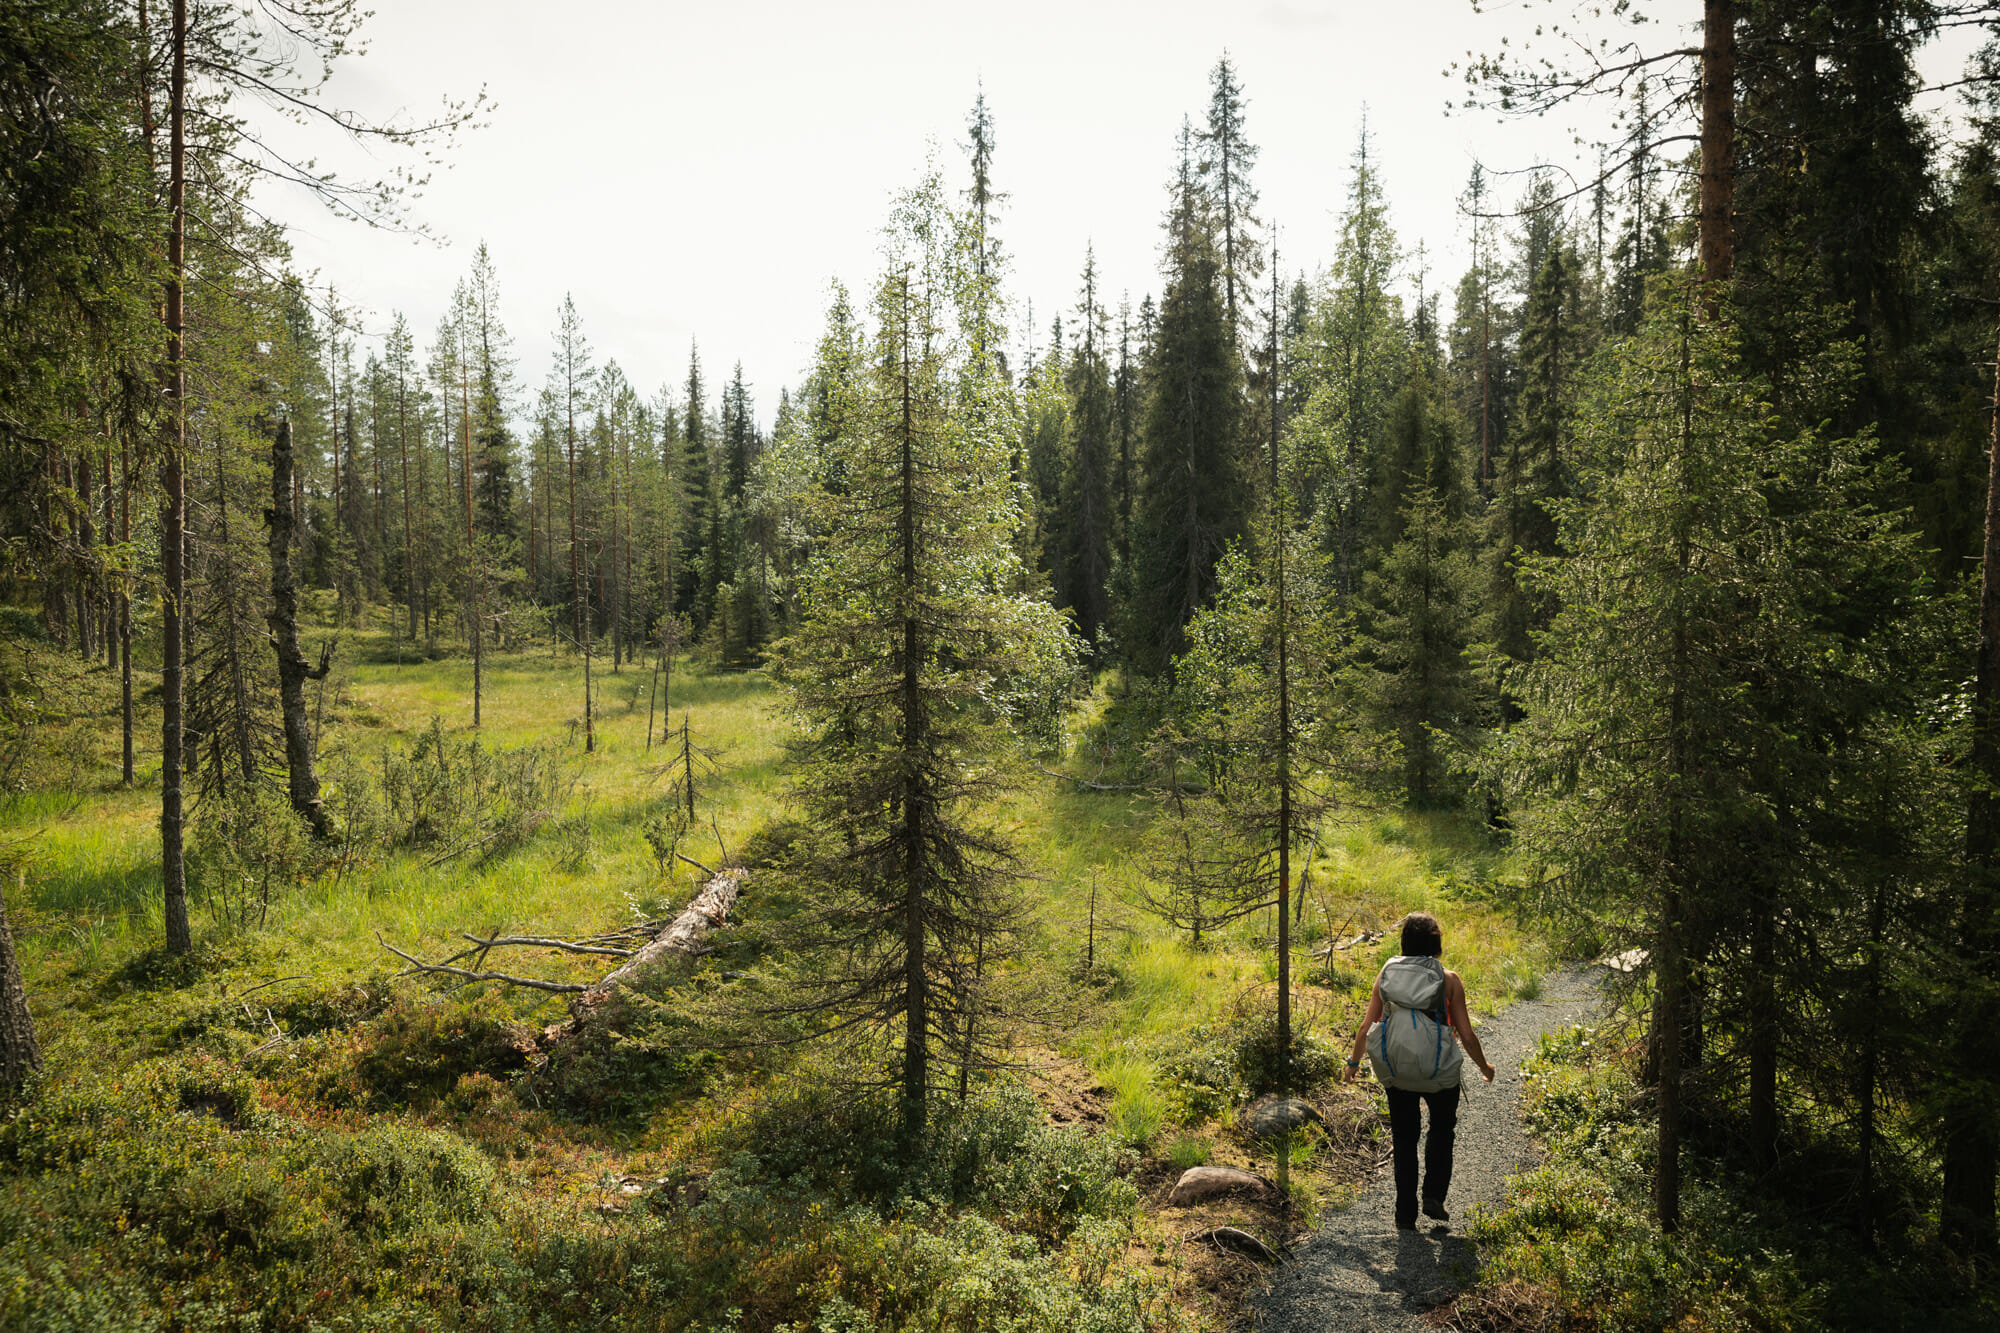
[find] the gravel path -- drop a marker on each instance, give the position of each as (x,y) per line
(1360,1273)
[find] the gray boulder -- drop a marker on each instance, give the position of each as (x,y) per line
(1272,1115)
(1208,1182)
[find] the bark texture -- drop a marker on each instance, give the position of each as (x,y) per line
(173,521)
(20,1053)
(1971,1134)
(302,783)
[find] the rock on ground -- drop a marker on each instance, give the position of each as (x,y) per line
(1206,1182)
(1361,1275)
(1270,1116)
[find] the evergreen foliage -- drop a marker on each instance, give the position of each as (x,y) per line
(1194,498)
(911,665)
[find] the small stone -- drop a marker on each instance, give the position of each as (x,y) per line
(1272,1115)
(1208,1182)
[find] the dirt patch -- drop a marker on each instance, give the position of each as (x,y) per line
(1071,1093)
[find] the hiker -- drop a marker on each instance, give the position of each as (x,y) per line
(1416,1004)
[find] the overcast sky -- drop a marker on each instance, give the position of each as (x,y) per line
(703,171)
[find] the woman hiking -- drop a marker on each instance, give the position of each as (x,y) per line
(1416,1004)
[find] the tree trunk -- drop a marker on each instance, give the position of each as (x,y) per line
(20,1053)
(173,521)
(1764,1020)
(239,683)
(302,783)
(684,937)
(579,612)
(1283,610)
(409,532)
(1669,1020)
(125,610)
(1718,143)
(1971,1137)
(916,975)
(472,570)
(1871,1057)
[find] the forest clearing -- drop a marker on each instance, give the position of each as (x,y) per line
(293,1019)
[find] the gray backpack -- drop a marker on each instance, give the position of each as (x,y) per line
(1412,1048)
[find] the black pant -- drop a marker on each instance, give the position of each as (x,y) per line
(1403,1128)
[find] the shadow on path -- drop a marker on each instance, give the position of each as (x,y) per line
(1360,1273)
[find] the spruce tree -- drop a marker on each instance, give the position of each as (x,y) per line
(1693,678)
(1250,722)
(1227,156)
(1351,365)
(1194,494)
(1086,505)
(572,378)
(700,503)
(1419,687)
(900,670)
(1534,474)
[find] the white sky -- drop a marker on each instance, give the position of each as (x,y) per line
(703,170)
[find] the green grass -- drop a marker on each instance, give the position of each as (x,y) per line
(88,921)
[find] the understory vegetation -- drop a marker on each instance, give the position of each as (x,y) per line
(279,1125)
(1577,1246)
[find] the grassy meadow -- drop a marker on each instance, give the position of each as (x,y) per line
(399,1138)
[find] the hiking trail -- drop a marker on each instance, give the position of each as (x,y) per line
(1358,1273)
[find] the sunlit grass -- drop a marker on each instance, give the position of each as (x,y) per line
(91,895)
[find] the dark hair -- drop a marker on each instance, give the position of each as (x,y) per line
(1422,935)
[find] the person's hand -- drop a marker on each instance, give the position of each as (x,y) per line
(1486,1071)
(1353,1072)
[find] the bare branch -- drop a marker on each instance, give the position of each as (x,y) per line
(417,965)
(544,942)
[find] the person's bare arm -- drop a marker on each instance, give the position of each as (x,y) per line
(1461,1022)
(1368,1020)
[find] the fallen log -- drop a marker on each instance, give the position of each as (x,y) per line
(686,936)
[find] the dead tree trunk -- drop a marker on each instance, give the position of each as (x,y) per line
(686,936)
(293,672)
(20,1053)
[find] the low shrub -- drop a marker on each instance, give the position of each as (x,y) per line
(458,795)
(992,1153)
(249,849)
(1577,1245)
(1217,1067)
(416,1050)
